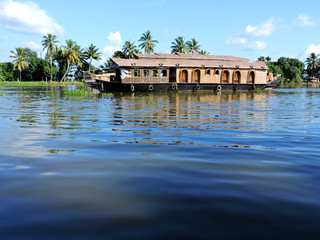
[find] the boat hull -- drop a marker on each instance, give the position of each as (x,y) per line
(155,87)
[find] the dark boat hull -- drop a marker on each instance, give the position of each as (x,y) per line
(147,87)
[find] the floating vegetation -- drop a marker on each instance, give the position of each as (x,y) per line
(258,91)
(2,94)
(150,102)
(107,94)
(78,93)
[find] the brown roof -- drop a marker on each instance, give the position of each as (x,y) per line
(151,61)
(189,57)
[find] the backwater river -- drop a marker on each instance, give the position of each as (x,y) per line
(179,165)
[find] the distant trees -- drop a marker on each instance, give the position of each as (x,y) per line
(179,45)
(129,49)
(147,43)
(193,46)
(19,56)
(290,69)
(92,52)
(313,63)
(49,42)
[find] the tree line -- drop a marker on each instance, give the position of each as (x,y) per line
(70,59)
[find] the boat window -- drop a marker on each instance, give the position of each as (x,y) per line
(236,78)
(155,73)
(196,76)
(163,73)
(137,73)
(217,72)
(225,77)
(251,78)
(184,76)
(208,72)
(146,73)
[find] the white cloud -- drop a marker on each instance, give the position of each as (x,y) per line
(115,37)
(236,41)
(304,20)
(27,17)
(109,50)
(33,46)
(262,30)
(312,48)
(255,46)
(114,45)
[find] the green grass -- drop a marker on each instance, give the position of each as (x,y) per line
(37,84)
(78,93)
(258,91)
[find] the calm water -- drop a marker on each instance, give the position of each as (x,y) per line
(160,165)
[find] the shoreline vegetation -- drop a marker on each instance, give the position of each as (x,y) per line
(64,64)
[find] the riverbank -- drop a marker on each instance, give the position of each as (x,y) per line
(37,84)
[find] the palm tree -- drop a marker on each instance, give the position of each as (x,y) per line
(72,54)
(129,49)
(312,63)
(19,60)
(92,53)
(49,42)
(193,46)
(203,52)
(147,43)
(179,46)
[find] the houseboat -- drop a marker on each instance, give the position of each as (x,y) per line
(179,72)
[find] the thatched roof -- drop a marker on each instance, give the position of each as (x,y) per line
(188,60)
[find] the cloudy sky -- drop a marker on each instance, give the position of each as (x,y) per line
(246,28)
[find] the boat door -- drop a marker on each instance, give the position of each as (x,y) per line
(172,74)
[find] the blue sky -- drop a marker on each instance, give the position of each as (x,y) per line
(244,28)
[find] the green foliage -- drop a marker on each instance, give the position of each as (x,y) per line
(107,94)
(258,91)
(35,84)
(8,72)
(2,78)
(92,53)
(179,45)
(193,46)
(290,69)
(77,93)
(2,94)
(147,43)
(129,49)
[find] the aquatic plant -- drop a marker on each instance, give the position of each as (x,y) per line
(258,91)
(77,92)
(37,84)
(2,94)
(107,94)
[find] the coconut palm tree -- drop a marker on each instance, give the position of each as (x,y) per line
(49,42)
(193,46)
(20,60)
(312,62)
(129,49)
(92,53)
(147,43)
(179,45)
(203,52)
(72,54)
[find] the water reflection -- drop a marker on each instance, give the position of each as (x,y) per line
(146,165)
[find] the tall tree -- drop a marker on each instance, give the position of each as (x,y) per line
(19,60)
(179,45)
(147,43)
(49,42)
(203,52)
(129,49)
(92,53)
(312,63)
(193,46)
(72,54)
